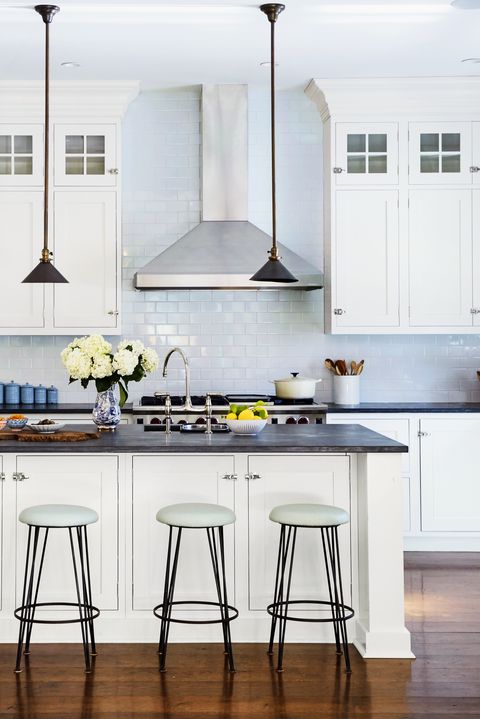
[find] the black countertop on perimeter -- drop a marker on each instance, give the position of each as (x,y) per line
(413,407)
(59,408)
(300,439)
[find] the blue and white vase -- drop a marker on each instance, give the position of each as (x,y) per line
(106,411)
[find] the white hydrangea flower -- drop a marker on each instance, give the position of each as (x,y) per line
(125,361)
(136,345)
(149,360)
(102,366)
(78,364)
(95,345)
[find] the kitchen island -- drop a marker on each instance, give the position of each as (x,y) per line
(127,475)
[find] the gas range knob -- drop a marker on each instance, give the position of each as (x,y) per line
(155,420)
(303,420)
(291,420)
(200,420)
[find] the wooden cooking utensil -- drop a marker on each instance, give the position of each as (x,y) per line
(330,364)
(360,367)
(353,365)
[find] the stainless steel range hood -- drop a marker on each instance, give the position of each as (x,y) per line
(224,250)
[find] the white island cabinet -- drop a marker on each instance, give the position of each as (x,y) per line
(128,475)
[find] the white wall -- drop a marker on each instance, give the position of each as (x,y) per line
(237,341)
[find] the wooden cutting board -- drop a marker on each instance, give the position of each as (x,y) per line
(62,436)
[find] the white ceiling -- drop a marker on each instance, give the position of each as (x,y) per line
(165,44)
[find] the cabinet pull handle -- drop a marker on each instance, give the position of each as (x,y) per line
(2,476)
(113,171)
(230,477)
(250,476)
(424,434)
(474,311)
(114,313)
(474,168)
(19,476)
(338,311)
(338,170)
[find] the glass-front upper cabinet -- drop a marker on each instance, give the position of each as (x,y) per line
(366,153)
(440,153)
(85,155)
(21,155)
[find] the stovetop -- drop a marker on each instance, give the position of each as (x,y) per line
(158,400)
(219,400)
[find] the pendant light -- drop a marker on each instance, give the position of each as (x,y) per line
(273,270)
(45,271)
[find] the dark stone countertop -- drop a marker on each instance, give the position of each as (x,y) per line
(300,439)
(412,407)
(60,408)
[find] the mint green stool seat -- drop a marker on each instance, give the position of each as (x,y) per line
(309,515)
(195,515)
(58,515)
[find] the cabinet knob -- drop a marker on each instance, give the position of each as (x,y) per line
(474,311)
(338,170)
(113,313)
(474,168)
(424,434)
(2,476)
(338,311)
(113,171)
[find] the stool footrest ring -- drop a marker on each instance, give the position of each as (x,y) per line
(232,613)
(93,611)
(275,610)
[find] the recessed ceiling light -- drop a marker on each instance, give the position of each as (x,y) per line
(70,63)
(472,60)
(466,4)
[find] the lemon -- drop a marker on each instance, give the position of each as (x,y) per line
(246,414)
(231,415)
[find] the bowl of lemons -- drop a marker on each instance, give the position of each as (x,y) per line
(243,419)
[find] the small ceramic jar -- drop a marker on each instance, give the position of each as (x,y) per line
(27,393)
(40,394)
(12,393)
(52,395)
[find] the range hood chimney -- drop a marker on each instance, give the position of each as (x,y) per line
(224,250)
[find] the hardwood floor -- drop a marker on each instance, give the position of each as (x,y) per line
(442,599)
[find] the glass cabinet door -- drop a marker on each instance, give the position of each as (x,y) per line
(85,156)
(21,155)
(366,154)
(440,153)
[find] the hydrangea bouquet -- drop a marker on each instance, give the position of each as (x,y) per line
(92,359)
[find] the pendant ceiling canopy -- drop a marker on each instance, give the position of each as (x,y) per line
(45,271)
(273,270)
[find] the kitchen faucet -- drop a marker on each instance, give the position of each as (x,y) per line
(188,402)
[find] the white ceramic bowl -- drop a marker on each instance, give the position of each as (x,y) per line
(246,426)
(47,428)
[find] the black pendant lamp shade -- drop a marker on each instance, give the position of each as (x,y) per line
(273,270)
(45,271)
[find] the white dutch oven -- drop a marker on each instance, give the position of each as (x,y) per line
(295,387)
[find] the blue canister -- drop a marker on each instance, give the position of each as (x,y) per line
(12,393)
(27,394)
(40,394)
(52,395)
(1,393)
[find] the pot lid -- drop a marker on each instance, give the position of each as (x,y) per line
(296,378)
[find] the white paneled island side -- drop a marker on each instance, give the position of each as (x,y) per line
(128,475)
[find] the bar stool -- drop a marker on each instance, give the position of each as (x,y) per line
(196,516)
(291,517)
(47,517)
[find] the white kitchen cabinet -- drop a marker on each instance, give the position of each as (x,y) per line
(87,480)
(284,480)
(85,246)
(22,305)
(366,153)
(450,487)
(397,428)
(440,153)
(21,155)
(440,258)
(85,155)
(158,482)
(365,284)
(2,521)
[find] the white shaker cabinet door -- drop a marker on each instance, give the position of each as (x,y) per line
(476,255)
(89,481)
(158,482)
(86,250)
(440,258)
(365,262)
(21,240)
(440,153)
(85,155)
(288,480)
(366,154)
(450,486)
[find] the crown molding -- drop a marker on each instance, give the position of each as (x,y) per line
(397,96)
(67,99)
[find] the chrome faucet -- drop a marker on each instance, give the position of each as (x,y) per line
(188,402)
